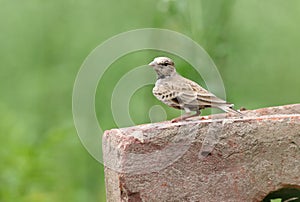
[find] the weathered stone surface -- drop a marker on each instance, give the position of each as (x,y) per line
(249,157)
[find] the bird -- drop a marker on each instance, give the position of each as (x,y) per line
(181,93)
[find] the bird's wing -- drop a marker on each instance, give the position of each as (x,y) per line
(175,94)
(205,97)
(182,93)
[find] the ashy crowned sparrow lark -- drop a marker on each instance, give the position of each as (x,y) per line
(181,93)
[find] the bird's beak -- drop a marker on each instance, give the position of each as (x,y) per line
(152,63)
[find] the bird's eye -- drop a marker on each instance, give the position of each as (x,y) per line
(165,64)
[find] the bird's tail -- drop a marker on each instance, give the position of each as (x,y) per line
(227,108)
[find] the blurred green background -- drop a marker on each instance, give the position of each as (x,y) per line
(255,45)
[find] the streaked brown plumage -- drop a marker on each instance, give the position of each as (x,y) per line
(181,93)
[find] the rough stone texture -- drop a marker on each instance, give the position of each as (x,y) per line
(246,158)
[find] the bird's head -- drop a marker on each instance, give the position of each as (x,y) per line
(163,66)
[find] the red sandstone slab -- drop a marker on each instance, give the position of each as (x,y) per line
(223,158)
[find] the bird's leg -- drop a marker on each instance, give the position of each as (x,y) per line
(186,116)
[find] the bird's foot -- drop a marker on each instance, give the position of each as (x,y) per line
(185,117)
(177,119)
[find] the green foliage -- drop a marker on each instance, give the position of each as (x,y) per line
(255,44)
(276,200)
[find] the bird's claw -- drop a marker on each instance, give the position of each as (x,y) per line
(178,119)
